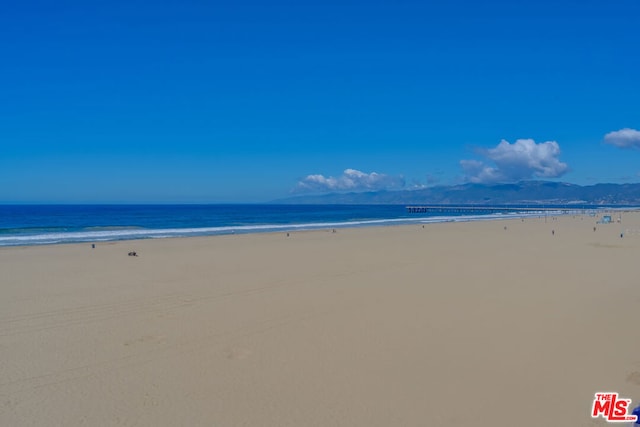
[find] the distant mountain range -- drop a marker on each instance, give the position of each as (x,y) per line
(525,192)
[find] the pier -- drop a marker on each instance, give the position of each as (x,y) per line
(471,209)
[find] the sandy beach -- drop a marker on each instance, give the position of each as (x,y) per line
(453,324)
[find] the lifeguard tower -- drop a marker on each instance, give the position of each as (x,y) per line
(606,219)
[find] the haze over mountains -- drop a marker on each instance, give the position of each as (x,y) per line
(525,192)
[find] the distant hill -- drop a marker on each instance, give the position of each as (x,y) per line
(525,192)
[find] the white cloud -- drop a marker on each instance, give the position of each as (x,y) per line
(523,159)
(350,180)
(623,138)
(476,171)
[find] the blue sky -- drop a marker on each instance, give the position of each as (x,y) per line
(204,101)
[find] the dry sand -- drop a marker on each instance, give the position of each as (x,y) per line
(456,324)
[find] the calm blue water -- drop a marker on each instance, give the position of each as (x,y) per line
(47,224)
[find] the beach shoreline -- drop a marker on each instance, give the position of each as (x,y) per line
(127,232)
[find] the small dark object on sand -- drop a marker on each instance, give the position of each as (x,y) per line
(133,253)
(553,232)
(93,246)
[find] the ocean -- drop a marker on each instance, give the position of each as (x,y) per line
(50,224)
